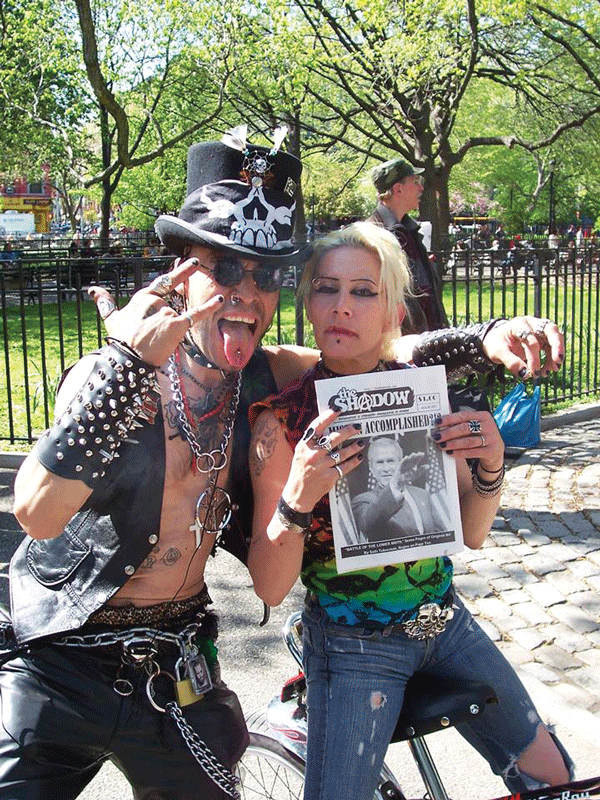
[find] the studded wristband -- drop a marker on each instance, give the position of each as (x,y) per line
(291,519)
(120,391)
(460,350)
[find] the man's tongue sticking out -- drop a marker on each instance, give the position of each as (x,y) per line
(238,342)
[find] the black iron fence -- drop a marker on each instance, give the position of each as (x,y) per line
(48,322)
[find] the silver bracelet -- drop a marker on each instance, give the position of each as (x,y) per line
(488,489)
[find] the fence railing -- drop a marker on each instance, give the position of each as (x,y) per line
(48,321)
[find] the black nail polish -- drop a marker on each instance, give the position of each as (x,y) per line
(449,452)
(357,426)
(360,456)
(443,444)
(438,419)
(437,436)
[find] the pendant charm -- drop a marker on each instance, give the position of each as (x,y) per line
(213,512)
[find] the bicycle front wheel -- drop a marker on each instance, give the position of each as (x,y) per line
(270,772)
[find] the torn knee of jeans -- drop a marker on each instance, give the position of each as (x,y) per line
(519,781)
(378,700)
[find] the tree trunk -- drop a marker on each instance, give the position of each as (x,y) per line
(106,182)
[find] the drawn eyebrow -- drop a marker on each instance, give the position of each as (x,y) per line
(352,280)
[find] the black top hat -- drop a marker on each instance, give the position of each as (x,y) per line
(241,198)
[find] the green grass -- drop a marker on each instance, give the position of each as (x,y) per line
(33,363)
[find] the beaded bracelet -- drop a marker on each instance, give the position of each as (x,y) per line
(292,519)
(490,489)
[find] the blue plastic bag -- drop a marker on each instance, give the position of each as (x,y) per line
(518,417)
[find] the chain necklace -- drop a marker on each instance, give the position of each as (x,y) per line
(213,507)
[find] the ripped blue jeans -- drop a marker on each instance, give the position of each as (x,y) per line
(356,679)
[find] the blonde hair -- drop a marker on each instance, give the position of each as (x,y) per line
(395,282)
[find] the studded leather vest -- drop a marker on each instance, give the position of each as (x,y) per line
(56,584)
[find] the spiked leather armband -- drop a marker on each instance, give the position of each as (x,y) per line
(460,350)
(120,391)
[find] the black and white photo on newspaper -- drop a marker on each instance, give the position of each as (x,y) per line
(402,503)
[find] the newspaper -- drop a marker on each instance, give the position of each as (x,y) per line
(401,503)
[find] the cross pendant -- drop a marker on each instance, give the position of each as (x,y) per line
(198,530)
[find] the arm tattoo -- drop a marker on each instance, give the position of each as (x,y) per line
(264,439)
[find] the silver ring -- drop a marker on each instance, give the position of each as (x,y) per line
(105,306)
(523,333)
(474,426)
(161,286)
(540,327)
(324,443)
(190,318)
(339,470)
(483,442)
(335,455)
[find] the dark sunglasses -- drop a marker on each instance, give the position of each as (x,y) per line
(229,272)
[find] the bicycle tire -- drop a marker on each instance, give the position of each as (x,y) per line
(270,772)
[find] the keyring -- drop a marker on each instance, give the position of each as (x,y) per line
(474,426)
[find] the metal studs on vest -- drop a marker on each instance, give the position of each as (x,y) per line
(121,391)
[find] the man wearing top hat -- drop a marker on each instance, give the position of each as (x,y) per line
(399,187)
(110,653)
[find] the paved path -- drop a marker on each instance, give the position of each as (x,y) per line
(535,584)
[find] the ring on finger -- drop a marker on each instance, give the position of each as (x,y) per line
(161,286)
(334,455)
(339,470)
(540,327)
(483,442)
(190,318)
(474,426)
(105,307)
(325,443)
(523,333)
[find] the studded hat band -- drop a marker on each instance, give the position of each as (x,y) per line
(120,391)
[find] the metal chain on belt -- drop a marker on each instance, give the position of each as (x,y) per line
(219,774)
(128,637)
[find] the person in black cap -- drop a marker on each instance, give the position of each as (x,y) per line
(399,187)
(111,649)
